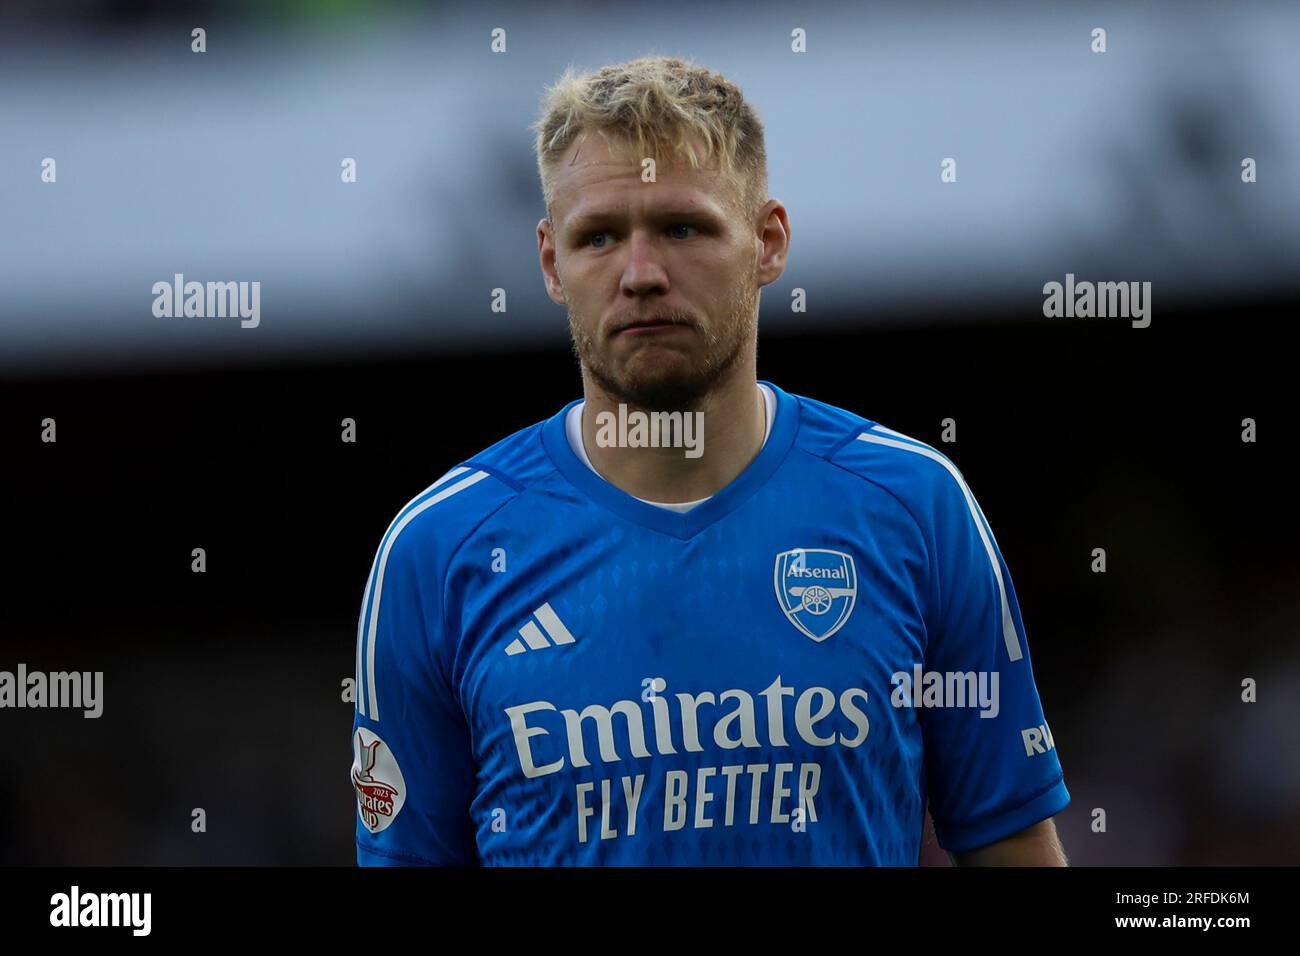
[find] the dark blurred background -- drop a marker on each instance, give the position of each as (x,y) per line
(223,689)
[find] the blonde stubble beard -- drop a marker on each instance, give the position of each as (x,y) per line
(724,346)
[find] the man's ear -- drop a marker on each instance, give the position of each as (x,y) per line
(774,236)
(546,258)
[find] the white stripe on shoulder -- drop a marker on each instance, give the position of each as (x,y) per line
(1009,635)
(405,516)
(370,580)
(890,431)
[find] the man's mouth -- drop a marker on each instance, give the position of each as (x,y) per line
(650,326)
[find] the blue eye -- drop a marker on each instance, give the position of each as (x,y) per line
(591,239)
(682,225)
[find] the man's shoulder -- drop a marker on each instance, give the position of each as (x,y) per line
(449,510)
(906,467)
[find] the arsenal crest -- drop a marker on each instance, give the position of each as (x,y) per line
(816,588)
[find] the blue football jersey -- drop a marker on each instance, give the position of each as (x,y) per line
(551,671)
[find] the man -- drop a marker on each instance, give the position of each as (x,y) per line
(692,619)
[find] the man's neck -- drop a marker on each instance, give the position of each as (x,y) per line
(732,424)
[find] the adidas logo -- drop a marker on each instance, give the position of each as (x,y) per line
(532,634)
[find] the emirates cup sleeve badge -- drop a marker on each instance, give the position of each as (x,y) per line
(381,791)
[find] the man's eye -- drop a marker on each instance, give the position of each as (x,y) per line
(591,240)
(682,225)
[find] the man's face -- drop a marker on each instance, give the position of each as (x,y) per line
(660,278)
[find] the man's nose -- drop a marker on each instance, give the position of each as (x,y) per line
(644,273)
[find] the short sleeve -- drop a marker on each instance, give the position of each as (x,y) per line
(412,769)
(993,770)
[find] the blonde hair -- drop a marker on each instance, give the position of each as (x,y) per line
(661,106)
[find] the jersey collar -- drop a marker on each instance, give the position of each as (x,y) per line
(677,524)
